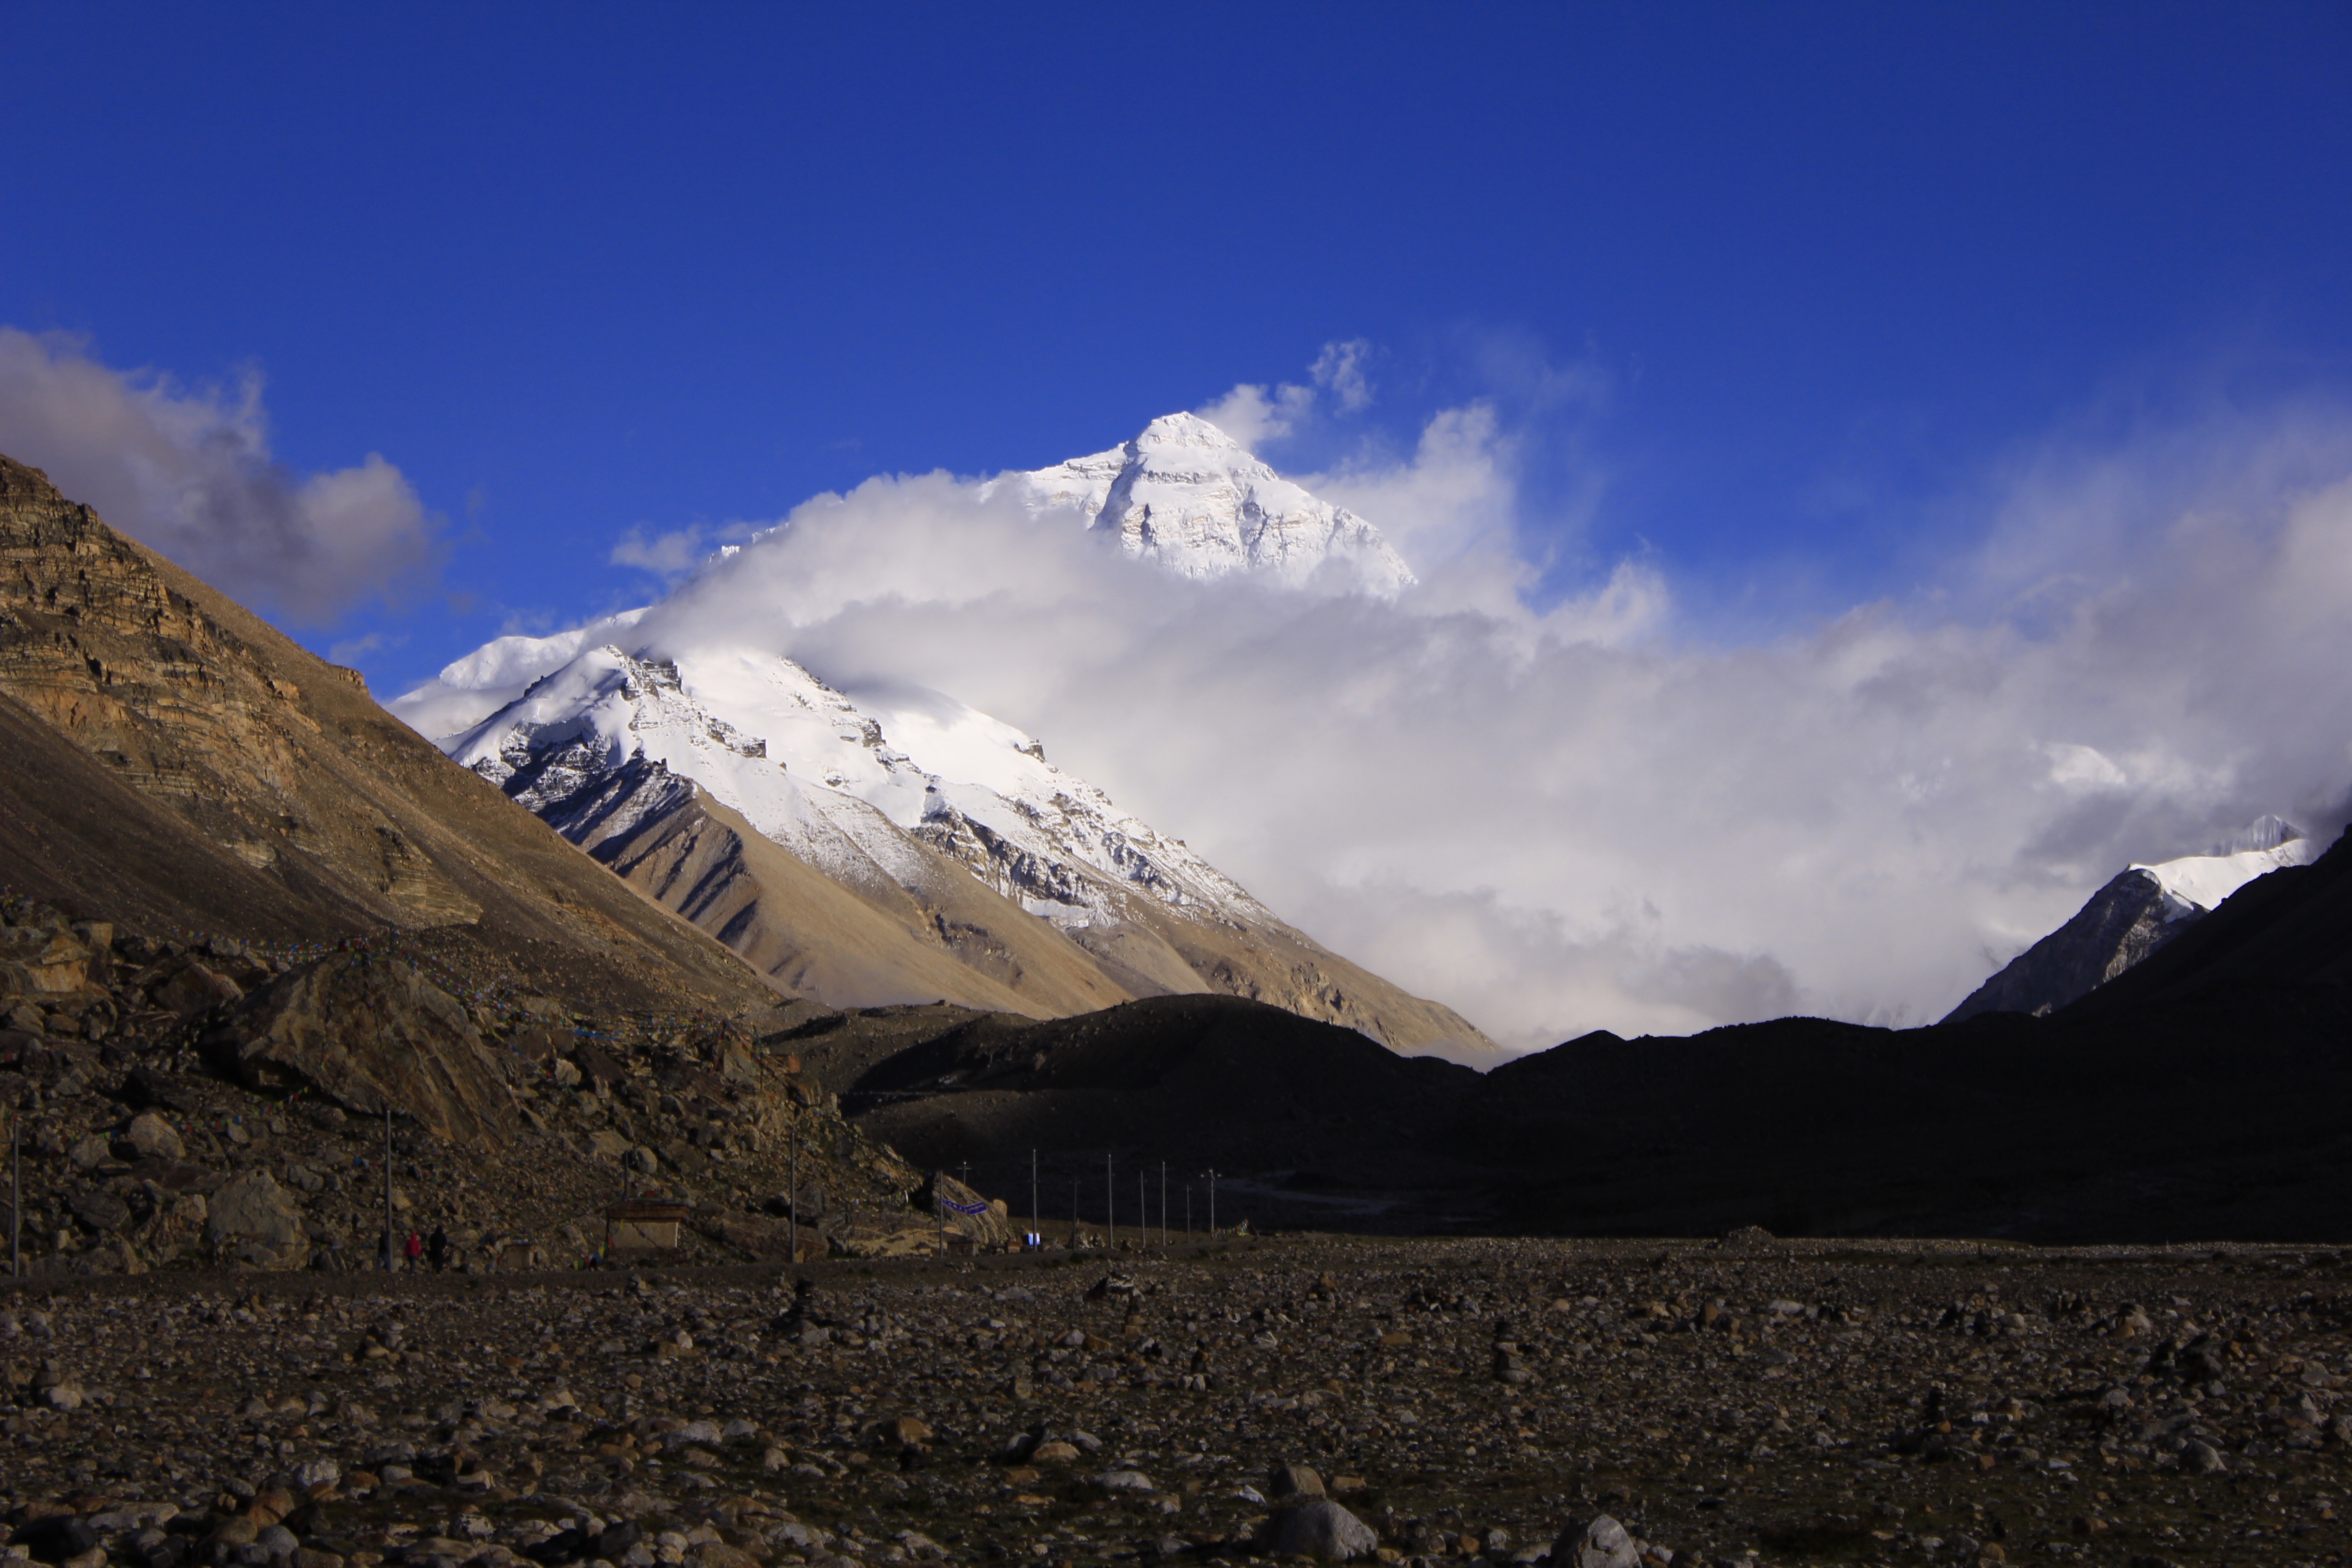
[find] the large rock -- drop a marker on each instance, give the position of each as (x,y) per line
(44,954)
(967,1215)
(1604,1543)
(154,1138)
(1317,1527)
(252,1220)
(365,1031)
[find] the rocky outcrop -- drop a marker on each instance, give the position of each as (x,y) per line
(369,1032)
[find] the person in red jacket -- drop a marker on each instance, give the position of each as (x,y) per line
(415,1250)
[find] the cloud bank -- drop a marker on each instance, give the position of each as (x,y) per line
(188,472)
(1590,816)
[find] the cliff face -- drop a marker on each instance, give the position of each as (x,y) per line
(170,757)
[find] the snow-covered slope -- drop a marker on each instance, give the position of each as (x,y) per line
(2137,912)
(2197,883)
(812,771)
(950,821)
(1186,495)
(950,825)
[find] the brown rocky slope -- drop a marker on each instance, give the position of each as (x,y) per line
(171,759)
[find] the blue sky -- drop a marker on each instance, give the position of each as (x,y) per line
(1765,291)
(1875,471)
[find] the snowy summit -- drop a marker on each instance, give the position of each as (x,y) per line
(1189,497)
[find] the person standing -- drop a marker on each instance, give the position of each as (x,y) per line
(439,1248)
(415,1251)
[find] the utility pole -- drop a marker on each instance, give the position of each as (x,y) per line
(1110,1206)
(1212,1204)
(16,1196)
(792,1194)
(1163,1203)
(1187,1214)
(1036,1220)
(1143,1210)
(390,1248)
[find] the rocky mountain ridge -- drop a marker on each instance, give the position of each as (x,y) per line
(174,763)
(2142,909)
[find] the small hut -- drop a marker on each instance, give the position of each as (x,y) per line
(643,1225)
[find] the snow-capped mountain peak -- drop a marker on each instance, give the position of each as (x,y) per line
(2142,909)
(891,843)
(2195,884)
(1186,496)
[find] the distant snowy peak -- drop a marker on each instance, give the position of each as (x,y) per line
(1190,498)
(2196,884)
(2141,910)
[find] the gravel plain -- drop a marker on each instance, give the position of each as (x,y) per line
(1728,1402)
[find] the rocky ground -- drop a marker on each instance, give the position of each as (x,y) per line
(1733,1402)
(212,1103)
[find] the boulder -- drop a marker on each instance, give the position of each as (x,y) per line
(190,988)
(99,1209)
(154,1138)
(252,1220)
(1604,1543)
(968,1214)
(367,1031)
(1317,1527)
(1294,1480)
(178,1223)
(43,954)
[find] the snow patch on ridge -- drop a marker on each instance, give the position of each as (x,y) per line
(2196,884)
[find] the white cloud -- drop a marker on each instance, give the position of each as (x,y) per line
(188,472)
(1255,415)
(1587,818)
(1341,367)
(673,553)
